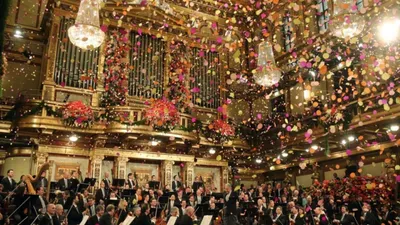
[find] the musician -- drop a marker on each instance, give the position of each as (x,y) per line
(199,196)
(101,193)
(136,213)
(84,200)
(320,217)
(47,219)
(144,218)
(187,219)
(262,213)
(64,183)
(95,219)
(122,210)
(296,219)
(75,214)
(107,218)
(174,213)
(41,201)
(59,217)
(179,198)
(8,182)
(176,184)
(138,198)
(279,219)
(152,194)
(368,217)
(74,181)
(42,181)
(130,182)
(230,198)
(388,217)
(278,191)
(65,200)
(106,180)
(91,206)
(183,207)
(192,201)
(345,218)
(172,202)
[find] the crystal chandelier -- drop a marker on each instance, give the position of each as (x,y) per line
(267,73)
(86,32)
(346,22)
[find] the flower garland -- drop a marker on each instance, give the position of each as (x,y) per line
(177,91)
(162,115)
(116,70)
(77,114)
(219,131)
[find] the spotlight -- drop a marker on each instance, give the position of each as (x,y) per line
(258,161)
(154,142)
(307,150)
(212,151)
(73,138)
(351,138)
(307,94)
(285,154)
(315,147)
(18,34)
(394,127)
(389,30)
(344,142)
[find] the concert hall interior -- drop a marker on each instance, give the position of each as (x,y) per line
(208,112)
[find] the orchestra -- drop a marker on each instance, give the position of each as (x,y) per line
(72,202)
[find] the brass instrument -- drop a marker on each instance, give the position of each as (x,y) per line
(29,179)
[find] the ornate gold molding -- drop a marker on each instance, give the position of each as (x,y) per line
(27,151)
(63,150)
(210,162)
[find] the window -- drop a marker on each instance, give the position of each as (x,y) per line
(287,30)
(74,67)
(147,59)
(205,78)
(323,15)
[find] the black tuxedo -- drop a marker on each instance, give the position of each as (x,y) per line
(144,220)
(300,220)
(278,193)
(122,216)
(66,203)
(74,184)
(370,219)
(75,216)
(135,221)
(7,186)
(231,203)
(176,185)
(107,183)
(57,220)
(347,219)
(105,219)
(42,182)
(100,196)
(389,217)
(281,220)
(131,183)
(93,220)
(199,200)
(46,220)
(61,184)
(185,220)
(38,203)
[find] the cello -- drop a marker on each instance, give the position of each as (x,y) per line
(161,220)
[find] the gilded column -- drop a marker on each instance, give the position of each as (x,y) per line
(167,167)
(96,163)
(189,169)
(225,176)
(121,163)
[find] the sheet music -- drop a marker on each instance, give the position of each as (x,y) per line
(84,220)
(206,220)
(128,220)
(172,220)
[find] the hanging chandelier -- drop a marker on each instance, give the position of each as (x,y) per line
(267,73)
(347,21)
(86,32)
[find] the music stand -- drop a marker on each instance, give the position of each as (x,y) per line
(128,193)
(81,187)
(53,185)
(118,182)
(90,181)
(154,184)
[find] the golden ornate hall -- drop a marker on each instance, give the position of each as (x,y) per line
(156,112)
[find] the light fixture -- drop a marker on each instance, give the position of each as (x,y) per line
(73,138)
(346,21)
(394,127)
(18,34)
(267,73)
(258,161)
(315,147)
(312,73)
(389,30)
(285,154)
(351,138)
(211,151)
(307,94)
(276,93)
(307,150)
(154,142)
(86,32)
(344,142)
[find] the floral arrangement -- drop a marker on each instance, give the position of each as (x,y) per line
(366,187)
(162,115)
(177,91)
(77,114)
(219,131)
(116,70)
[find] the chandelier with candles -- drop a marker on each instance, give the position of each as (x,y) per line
(347,21)
(86,33)
(267,73)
